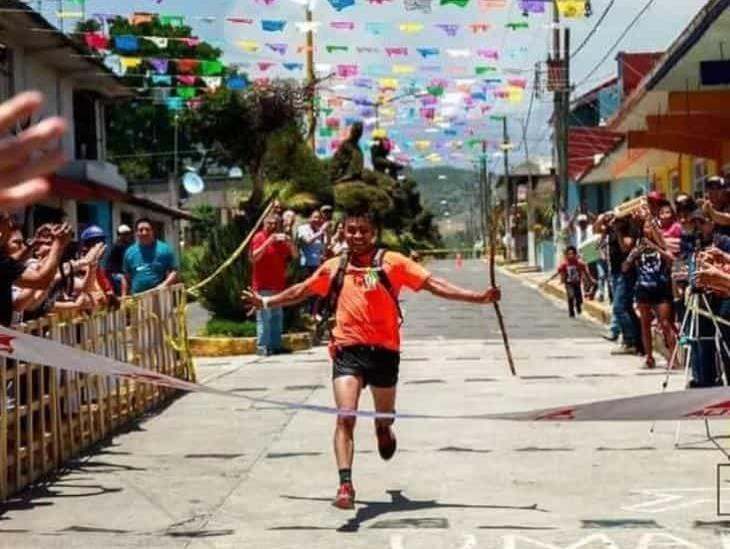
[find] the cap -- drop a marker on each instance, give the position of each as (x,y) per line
(92,232)
(656,196)
(379,133)
(717,183)
(326,208)
(124,229)
(582,218)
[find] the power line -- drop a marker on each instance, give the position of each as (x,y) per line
(626,31)
(594,29)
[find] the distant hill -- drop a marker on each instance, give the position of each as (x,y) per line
(456,190)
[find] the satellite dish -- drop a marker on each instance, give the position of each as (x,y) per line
(193,183)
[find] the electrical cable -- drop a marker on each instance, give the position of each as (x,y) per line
(626,31)
(594,29)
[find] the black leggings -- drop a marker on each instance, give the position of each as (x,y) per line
(575,297)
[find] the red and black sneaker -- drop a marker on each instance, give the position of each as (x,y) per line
(386,441)
(345,498)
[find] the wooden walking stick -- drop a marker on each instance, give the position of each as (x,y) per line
(497,310)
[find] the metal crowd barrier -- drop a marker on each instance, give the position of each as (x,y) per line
(48,416)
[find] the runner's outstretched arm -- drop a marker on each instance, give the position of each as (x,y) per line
(291,296)
(445,289)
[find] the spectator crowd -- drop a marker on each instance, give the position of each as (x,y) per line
(282,253)
(665,267)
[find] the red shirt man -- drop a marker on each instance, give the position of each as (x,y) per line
(270,255)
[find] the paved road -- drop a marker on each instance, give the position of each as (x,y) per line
(211,472)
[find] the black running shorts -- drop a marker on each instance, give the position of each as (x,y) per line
(374,365)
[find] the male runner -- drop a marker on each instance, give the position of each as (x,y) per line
(365,344)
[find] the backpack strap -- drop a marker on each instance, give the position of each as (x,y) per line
(329,305)
(385,281)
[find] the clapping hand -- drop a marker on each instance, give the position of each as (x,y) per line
(25,159)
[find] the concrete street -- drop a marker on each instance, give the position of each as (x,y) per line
(211,472)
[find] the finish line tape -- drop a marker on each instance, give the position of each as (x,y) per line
(694,404)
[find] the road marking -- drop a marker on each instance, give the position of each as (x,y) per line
(470,541)
(396,541)
(670,499)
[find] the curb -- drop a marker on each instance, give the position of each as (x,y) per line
(238,346)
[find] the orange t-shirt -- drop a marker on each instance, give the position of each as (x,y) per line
(366,313)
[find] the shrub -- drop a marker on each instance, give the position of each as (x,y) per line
(230,328)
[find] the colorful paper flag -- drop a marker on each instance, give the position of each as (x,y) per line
(248,45)
(342,25)
(273,25)
(428,52)
(340,5)
(449,28)
(411,28)
(278,48)
(126,42)
(572,9)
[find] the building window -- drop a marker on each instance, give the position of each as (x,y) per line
(7,86)
(699,175)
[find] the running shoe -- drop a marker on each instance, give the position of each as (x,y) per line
(386,442)
(345,498)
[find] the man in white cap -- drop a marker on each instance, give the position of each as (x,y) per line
(114,267)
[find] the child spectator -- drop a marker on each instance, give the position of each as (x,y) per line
(573,272)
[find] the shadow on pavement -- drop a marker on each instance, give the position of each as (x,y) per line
(371,510)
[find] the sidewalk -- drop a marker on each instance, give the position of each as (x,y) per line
(597,310)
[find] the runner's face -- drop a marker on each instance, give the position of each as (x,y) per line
(360,234)
(570,255)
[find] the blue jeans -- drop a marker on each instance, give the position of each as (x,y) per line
(269,326)
(704,353)
(623,307)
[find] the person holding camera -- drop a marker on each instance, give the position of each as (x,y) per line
(271,252)
(621,236)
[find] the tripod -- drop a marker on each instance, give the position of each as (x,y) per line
(690,339)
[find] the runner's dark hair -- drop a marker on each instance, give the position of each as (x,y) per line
(143,220)
(571,249)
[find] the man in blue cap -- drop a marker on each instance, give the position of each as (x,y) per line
(95,237)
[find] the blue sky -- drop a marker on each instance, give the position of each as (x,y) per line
(519,50)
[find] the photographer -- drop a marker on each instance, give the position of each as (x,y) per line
(621,235)
(15,273)
(271,252)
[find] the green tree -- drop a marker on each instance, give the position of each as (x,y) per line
(144,125)
(239,126)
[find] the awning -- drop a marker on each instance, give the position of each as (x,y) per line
(84,191)
(623,163)
(585,144)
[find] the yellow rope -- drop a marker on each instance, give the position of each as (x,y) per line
(236,254)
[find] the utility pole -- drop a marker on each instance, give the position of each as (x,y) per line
(311,83)
(485,194)
(561,90)
(557,107)
(509,249)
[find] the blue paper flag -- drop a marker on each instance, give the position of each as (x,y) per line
(427,52)
(237,83)
(175,103)
(293,66)
(161,79)
(270,25)
(340,5)
(126,42)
